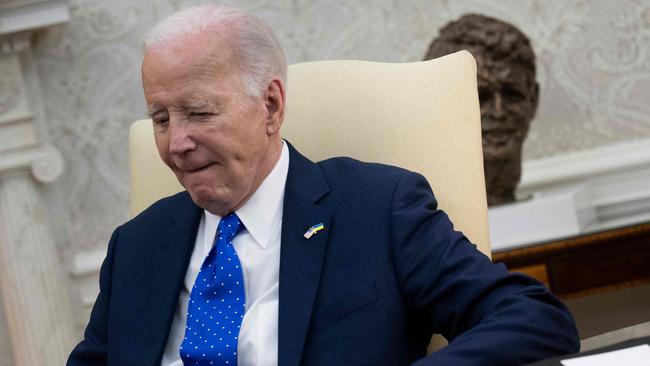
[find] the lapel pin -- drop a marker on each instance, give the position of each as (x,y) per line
(313,230)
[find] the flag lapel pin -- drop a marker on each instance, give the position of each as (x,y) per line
(313,230)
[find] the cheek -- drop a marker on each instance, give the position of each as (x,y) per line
(162,145)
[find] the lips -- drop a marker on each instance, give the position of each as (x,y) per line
(200,168)
(192,168)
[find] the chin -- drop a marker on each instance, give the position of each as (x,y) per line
(202,197)
(208,199)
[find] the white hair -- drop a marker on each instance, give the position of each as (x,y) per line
(260,55)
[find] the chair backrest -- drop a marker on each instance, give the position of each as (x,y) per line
(423,116)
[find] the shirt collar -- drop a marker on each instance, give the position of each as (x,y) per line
(262,213)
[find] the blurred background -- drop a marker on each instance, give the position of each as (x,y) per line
(70,87)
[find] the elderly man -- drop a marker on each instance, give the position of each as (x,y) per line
(270,259)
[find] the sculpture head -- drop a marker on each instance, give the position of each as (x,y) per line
(508,93)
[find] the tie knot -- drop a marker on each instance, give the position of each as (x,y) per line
(229,226)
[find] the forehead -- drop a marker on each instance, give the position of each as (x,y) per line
(180,58)
(499,75)
(193,70)
(196,52)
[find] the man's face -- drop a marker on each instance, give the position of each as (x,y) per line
(508,97)
(219,142)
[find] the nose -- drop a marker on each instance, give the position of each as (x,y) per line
(180,139)
(498,106)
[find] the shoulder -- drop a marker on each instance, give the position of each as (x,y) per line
(160,213)
(341,170)
(370,184)
(361,170)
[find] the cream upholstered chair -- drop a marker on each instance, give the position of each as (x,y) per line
(423,116)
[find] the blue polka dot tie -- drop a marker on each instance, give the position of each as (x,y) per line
(217,301)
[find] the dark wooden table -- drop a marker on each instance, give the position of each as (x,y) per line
(586,264)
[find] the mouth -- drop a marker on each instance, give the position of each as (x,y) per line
(194,168)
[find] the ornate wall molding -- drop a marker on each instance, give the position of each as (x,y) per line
(577,193)
(9,90)
(12,44)
(34,294)
(85,266)
(27,15)
(37,309)
(545,174)
(44,162)
(13,97)
(47,164)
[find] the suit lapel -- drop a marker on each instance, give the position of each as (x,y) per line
(301,259)
(170,258)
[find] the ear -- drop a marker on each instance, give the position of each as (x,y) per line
(275,99)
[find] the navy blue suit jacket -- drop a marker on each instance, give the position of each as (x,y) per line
(387,271)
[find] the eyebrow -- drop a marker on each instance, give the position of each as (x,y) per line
(197,104)
(150,114)
(153,109)
(189,105)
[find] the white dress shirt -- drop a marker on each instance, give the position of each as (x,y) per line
(258,249)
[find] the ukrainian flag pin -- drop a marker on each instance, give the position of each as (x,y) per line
(313,230)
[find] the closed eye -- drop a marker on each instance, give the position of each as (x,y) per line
(160,121)
(201,114)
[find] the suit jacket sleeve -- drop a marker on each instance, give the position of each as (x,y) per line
(92,350)
(490,316)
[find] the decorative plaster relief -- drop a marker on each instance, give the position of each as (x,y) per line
(13,44)
(28,15)
(47,164)
(16,135)
(8,89)
(13,101)
(35,304)
(38,312)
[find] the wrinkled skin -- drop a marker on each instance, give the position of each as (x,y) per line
(508,93)
(220,142)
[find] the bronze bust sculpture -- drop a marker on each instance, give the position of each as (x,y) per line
(507,89)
